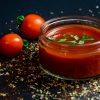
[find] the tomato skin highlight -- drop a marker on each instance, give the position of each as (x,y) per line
(31,25)
(11,45)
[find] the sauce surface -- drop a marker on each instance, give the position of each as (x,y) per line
(76,30)
(73,62)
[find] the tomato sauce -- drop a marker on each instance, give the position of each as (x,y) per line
(71,61)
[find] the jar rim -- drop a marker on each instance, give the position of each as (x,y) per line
(82,18)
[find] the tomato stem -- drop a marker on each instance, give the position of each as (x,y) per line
(26,43)
(20,19)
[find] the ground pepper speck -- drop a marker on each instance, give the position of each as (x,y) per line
(21,78)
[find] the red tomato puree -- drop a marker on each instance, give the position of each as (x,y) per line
(71,61)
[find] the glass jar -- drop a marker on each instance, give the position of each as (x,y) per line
(61,60)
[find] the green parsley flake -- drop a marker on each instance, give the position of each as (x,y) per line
(81,42)
(75,37)
(51,38)
(65,36)
(72,42)
(87,38)
(61,40)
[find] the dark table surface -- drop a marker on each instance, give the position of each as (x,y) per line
(36,85)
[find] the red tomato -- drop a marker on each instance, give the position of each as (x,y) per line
(11,44)
(31,26)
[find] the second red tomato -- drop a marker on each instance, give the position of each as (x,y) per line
(31,26)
